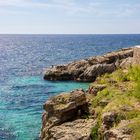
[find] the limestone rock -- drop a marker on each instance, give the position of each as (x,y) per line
(92,72)
(88,69)
(95,88)
(136,58)
(120,54)
(62,108)
(121,132)
(108,120)
(76,130)
(126,63)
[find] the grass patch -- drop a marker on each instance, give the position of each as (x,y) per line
(122,96)
(101,95)
(124,105)
(134,75)
(135,127)
(120,75)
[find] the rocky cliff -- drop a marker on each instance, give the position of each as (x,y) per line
(108,110)
(87,70)
(63,117)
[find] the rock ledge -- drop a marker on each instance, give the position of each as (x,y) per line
(87,70)
(62,118)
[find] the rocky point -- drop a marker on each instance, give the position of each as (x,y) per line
(108,110)
(87,70)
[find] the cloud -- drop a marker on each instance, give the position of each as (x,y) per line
(89,8)
(69,16)
(10,2)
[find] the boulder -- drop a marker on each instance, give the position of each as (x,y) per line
(63,108)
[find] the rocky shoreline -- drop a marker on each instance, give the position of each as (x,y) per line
(87,70)
(105,111)
(62,118)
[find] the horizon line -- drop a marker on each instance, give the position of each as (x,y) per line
(69,34)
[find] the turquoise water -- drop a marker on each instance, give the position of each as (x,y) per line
(22,88)
(21,105)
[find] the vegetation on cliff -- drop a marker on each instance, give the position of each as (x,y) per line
(121,97)
(110,109)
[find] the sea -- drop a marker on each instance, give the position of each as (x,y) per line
(23,61)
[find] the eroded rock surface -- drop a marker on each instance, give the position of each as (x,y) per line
(95,88)
(126,63)
(109,119)
(121,132)
(87,70)
(79,129)
(136,59)
(60,111)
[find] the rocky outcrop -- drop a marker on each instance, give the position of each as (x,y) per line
(95,88)
(87,70)
(80,115)
(92,72)
(79,129)
(136,59)
(63,109)
(126,63)
(109,119)
(121,132)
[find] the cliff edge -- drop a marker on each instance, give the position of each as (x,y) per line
(87,70)
(108,110)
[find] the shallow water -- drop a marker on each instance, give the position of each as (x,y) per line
(22,88)
(21,105)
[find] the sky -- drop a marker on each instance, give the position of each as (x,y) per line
(69,16)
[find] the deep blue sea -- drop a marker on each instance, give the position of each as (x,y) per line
(23,59)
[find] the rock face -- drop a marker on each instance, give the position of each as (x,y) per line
(108,120)
(60,111)
(126,63)
(136,55)
(88,69)
(121,132)
(94,89)
(79,129)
